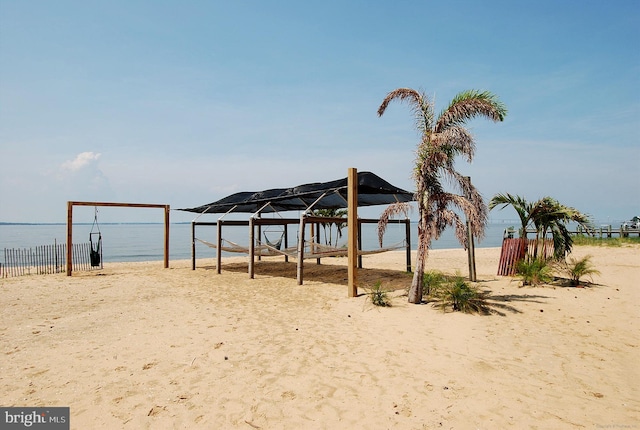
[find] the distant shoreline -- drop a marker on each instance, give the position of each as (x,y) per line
(90,223)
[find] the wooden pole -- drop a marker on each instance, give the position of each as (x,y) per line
(69,238)
(219,247)
(252,247)
(352,230)
(167,210)
(471,254)
(300,266)
(193,245)
(359,244)
(407,235)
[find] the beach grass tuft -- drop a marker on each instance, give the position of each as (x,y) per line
(534,271)
(379,296)
(454,292)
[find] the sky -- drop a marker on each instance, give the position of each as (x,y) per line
(185,102)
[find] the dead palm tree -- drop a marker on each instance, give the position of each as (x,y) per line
(442,139)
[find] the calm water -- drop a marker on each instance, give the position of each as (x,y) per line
(145,242)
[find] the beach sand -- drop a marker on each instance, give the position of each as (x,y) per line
(136,346)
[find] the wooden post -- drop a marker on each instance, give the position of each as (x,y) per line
(407,235)
(219,246)
(193,245)
(352,230)
(69,238)
(471,247)
(252,246)
(471,254)
(167,210)
(359,245)
(300,267)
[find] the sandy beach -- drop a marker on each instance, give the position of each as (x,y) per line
(136,346)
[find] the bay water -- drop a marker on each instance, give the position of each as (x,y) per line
(128,242)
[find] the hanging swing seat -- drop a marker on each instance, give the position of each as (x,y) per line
(95,252)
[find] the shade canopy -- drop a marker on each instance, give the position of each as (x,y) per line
(372,191)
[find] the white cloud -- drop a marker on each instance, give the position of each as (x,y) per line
(83,159)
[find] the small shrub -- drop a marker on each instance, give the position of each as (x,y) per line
(534,272)
(461,296)
(577,269)
(432,281)
(379,296)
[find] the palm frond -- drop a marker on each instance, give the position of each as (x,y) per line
(457,140)
(420,105)
(470,104)
(400,208)
(409,95)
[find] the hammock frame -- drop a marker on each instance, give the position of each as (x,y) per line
(311,249)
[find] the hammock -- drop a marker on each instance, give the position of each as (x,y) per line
(317,250)
(312,249)
(228,246)
(275,245)
(399,245)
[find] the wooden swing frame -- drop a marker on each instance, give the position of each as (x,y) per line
(71,204)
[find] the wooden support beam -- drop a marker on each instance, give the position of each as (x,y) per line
(352,227)
(69,238)
(167,210)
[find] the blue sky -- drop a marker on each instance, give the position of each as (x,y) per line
(185,102)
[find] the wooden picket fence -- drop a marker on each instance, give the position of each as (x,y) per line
(514,250)
(45,259)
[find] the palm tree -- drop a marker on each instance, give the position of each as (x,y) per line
(442,139)
(547,216)
(550,216)
(519,204)
(332,213)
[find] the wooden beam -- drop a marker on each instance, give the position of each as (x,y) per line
(252,247)
(300,264)
(69,238)
(352,228)
(167,209)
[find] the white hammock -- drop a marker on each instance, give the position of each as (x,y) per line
(312,249)
(317,250)
(228,246)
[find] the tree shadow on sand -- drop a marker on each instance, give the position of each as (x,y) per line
(501,303)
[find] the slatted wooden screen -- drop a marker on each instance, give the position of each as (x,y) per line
(514,250)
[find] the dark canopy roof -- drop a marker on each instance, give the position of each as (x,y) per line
(372,190)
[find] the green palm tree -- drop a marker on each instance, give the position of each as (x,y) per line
(328,226)
(442,139)
(547,215)
(550,216)
(519,204)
